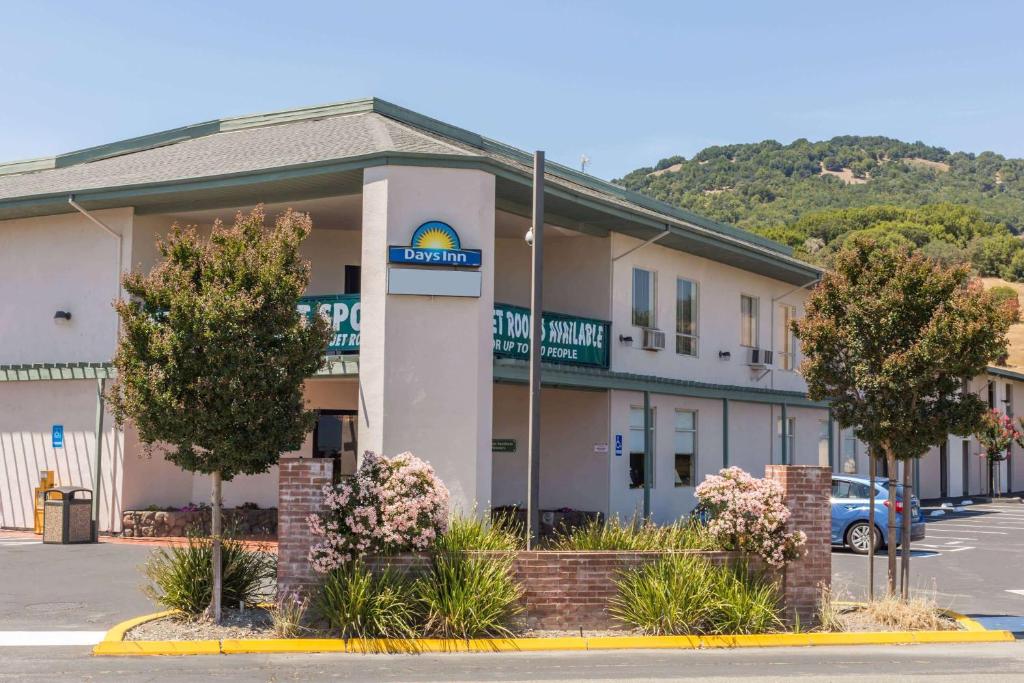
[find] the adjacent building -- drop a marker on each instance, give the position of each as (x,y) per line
(419,260)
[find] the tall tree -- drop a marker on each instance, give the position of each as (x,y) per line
(889,337)
(214,353)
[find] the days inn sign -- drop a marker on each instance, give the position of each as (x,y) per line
(435,243)
(566,339)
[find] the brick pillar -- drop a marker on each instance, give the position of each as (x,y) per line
(299,488)
(806,491)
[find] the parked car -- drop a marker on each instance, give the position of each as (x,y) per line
(850,506)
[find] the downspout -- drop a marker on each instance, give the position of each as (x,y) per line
(120,246)
(98,465)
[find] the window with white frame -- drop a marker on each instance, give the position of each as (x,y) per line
(748,320)
(789,436)
(823,445)
(848,451)
(686,317)
(787,353)
(644,298)
(637,463)
(685,446)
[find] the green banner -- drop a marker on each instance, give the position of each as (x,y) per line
(342,311)
(564,338)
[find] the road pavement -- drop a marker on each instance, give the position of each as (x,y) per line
(69,587)
(979,662)
(969,561)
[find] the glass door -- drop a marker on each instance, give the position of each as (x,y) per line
(334,436)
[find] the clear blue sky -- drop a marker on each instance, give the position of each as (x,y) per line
(626,83)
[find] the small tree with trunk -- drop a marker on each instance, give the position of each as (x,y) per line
(996,432)
(889,338)
(214,352)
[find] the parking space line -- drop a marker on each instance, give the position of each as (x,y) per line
(49,638)
(979,531)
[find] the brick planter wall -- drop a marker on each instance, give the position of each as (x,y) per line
(807,491)
(300,490)
(567,590)
(243,523)
(571,590)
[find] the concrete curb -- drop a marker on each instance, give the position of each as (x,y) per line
(115,645)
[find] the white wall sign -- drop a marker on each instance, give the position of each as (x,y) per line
(434,282)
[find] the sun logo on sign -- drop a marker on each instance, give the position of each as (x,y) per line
(436,235)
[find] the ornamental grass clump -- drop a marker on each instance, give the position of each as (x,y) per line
(469,595)
(684,594)
(634,535)
(391,505)
(181,578)
(357,603)
(472,532)
(749,514)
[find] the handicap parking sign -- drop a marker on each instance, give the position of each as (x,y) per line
(58,436)
(618,444)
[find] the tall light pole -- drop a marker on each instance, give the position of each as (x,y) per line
(535,238)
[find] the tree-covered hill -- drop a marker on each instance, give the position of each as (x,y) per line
(812,195)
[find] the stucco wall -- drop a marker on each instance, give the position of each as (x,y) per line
(577,274)
(572,474)
(152,480)
(62,263)
(30,409)
(426,362)
(719,317)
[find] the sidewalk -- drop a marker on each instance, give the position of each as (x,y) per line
(269,545)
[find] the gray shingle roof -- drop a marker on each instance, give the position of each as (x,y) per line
(356,132)
(234,151)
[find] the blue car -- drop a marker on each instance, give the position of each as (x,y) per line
(850,505)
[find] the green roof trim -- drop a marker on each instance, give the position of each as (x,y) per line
(516,372)
(1005,373)
(43,372)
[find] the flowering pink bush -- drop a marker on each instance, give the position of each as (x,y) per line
(747,513)
(995,435)
(390,505)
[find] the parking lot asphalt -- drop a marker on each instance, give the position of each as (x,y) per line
(69,587)
(969,561)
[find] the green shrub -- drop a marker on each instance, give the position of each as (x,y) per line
(181,577)
(359,604)
(466,595)
(635,535)
(686,594)
(470,532)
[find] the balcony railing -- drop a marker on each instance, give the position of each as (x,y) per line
(567,339)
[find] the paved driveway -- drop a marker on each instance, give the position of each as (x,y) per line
(970,560)
(69,587)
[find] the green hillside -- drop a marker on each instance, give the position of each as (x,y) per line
(812,195)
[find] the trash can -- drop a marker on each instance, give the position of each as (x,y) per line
(67,515)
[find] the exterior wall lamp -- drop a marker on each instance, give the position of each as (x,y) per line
(62,315)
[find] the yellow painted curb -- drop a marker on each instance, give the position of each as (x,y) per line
(114,643)
(158,647)
(278,645)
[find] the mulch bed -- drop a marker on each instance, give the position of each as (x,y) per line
(256,624)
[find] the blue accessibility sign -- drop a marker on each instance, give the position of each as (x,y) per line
(58,436)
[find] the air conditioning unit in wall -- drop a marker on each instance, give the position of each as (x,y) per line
(760,358)
(654,340)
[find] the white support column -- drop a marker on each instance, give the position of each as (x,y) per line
(426,362)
